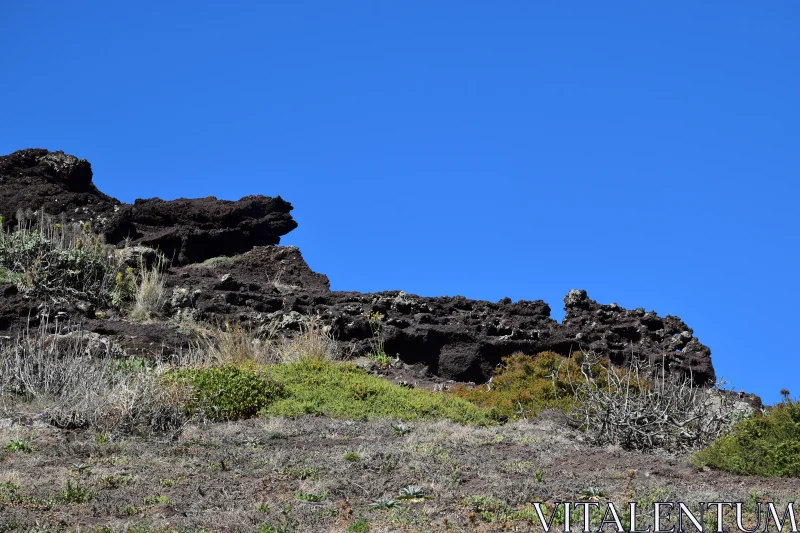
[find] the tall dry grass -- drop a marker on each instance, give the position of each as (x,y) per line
(74,386)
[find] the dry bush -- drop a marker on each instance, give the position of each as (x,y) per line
(78,387)
(639,409)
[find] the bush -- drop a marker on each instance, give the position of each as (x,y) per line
(227,392)
(765,445)
(64,262)
(638,409)
(342,390)
(524,385)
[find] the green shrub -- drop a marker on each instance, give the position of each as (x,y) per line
(321,387)
(64,262)
(228,392)
(765,445)
(524,386)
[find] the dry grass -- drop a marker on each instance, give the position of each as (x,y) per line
(75,382)
(234,343)
(150,296)
(239,343)
(314,341)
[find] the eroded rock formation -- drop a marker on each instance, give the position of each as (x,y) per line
(455,338)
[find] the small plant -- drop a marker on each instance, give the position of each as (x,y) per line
(75,493)
(14,446)
(353,457)
(62,262)
(412,492)
(113,482)
(166,482)
(384,504)
(101,438)
(538,475)
(375,320)
(592,493)
(154,500)
(299,472)
(402,428)
(311,497)
(361,525)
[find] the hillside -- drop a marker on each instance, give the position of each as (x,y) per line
(169,366)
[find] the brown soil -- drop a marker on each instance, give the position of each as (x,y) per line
(239,476)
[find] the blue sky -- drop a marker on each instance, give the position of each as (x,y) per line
(644,151)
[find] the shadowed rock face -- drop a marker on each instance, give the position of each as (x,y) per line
(191,231)
(455,338)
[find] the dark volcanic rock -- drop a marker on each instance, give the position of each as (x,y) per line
(454,338)
(36,179)
(187,231)
(619,334)
(191,231)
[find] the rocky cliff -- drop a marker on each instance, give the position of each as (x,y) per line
(259,282)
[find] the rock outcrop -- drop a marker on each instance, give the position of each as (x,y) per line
(186,231)
(454,338)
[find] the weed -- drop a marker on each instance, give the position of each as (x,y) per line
(375,321)
(401,429)
(315,342)
(353,457)
(236,343)
(150,294)
(412,492)
(113,482)
(384,504)
(17,446)
(75,493)
(592,493)
(299,472)
(361,525)
(154,500)
(311,497)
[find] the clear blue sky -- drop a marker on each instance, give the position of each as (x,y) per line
(647,152)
